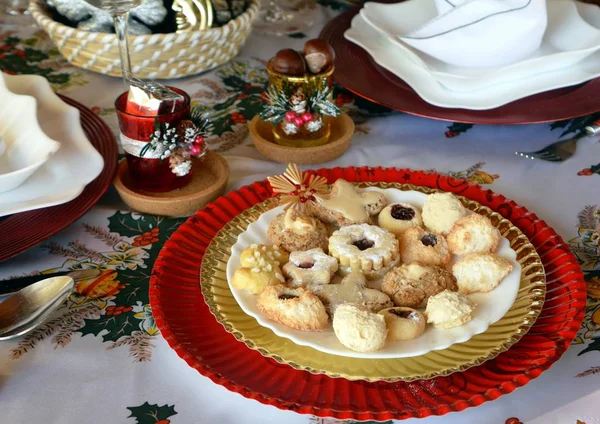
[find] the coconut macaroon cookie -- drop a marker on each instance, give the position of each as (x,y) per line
(418,245)
(358,329)
(441,211)
(473,233)
(399,217)
(480,272)
(449,309)
(364,248)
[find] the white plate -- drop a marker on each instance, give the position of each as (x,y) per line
(66,174)
(384,53)
(490,306)
(572,35)
(25,147)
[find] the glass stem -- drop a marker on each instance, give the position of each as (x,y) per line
(121,23)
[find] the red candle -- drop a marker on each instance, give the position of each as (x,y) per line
(137,123)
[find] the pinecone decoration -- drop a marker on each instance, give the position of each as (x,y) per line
(180,162)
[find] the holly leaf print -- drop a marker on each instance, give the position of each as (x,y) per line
(595,345)
(152,414)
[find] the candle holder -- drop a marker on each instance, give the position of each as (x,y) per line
(149,139)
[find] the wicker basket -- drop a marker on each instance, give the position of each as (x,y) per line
(156,56)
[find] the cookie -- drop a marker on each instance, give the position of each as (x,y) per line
(412,284)
(310,267)
(353,290)
(358,329)
(403,323)
(480,272)
(364,248)
(418,245)
(346,206)
(441,211)
(260,268)
(399,217)
(293,231)
(260,254)
(449,309)
(473,233)
(296,308)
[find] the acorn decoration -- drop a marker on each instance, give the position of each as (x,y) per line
(317,57)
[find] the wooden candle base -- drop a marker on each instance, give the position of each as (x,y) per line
(209,179)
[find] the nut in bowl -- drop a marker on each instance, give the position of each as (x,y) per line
(371,297)
(24,147)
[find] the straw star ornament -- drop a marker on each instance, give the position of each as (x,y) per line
(298,190)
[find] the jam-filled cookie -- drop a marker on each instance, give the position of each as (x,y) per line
(347,206)
(480,272)
(294,231)
(449,309)
(412,284)
(441,211)
(310,267)
(260,268)
(359,329)
(296,308)
(364,248)
(418,245)
(399,217)
(353,289)
(473,233)
(403,323)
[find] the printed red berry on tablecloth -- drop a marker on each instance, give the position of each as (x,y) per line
(513,420)
(342,99)
(586,172)
(451,134)
(238,118)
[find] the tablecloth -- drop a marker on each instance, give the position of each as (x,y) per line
(101,358)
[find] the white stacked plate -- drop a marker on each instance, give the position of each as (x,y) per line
(568,55)
(61,174)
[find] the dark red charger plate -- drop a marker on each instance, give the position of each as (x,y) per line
(356,70)
(192,331)
(22,231)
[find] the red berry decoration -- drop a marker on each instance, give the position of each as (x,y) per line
(199,140)
(195,149)
(307,117)
(289,116)
(298,121)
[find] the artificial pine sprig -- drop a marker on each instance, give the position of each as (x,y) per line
(277,105)
(319,102)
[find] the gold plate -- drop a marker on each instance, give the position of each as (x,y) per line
(496,339)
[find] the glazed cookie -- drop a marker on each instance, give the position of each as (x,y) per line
(449,309)
(358,329)
(353,289)
(296,308)
(260,254)
(412,284)
(418,245)
(260,268)
(480,272)
(364,248)
(293,231)
(473,233)
(403,323)
(441,211)
(346,206)
(310,267)
(399,217)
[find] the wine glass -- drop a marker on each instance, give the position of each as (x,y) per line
(119,10)
(280,17)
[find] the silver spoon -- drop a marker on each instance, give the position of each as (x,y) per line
(26,309)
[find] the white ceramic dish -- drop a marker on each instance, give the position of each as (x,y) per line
(66,174)
(572,35)
(490,306)
(25,147)
(385,53)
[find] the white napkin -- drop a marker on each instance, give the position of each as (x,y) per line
(481,33)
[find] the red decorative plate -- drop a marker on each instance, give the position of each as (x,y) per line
(22,231)
(192,331)
(356,70)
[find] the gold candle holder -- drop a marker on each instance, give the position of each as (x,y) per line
(309,83)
